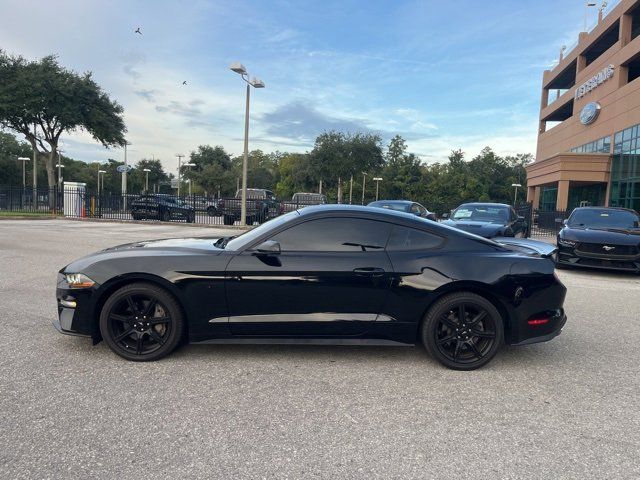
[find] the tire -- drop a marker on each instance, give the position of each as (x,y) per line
(250,220)
(463,345)
(155,329)
(191,217)
(135,216)
(508,232)
(164,216)
(228,220)
(262,216)
(212,211)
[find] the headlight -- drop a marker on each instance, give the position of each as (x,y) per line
(566,243)
(79,280)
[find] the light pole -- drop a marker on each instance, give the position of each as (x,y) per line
(146,179)
(364,181)
(189,165)
(24,179)
(35,170)
(60,167)
(351,190)
(255,83)
(101,180)
(515,195)
(377,180)
(586,9)
(179,155)
(124,176)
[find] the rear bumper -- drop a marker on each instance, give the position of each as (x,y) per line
(558,321)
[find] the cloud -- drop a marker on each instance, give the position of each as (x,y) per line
(178,108)
(148,95)
(302,122)
(131,60)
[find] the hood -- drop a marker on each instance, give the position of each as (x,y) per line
(149,248)
(484,229)
(616,236)
(170,244)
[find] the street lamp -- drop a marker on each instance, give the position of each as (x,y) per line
(364,181)
(586,10)
(60,166)
(189,165)
(515,195)
(24,178)
(101,180)
(377,180)
(238,68)
(179,155)
(146,180)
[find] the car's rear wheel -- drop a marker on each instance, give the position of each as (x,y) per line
(141,322)
(463,331)
(191,217)
(228,220)
(212,211)
(165,216)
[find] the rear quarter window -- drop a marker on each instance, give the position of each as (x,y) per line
(410,239)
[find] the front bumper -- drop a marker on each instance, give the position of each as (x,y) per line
(573,257)
(76,310)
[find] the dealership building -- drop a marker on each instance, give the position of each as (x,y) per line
(588,150)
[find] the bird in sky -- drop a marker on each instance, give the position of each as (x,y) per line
(138,31)
(184,83)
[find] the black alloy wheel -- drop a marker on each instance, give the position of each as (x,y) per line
(463,331)
(212,211)
(141,322)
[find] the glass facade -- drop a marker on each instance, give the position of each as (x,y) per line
(602,145)
(548,198)
(625,169)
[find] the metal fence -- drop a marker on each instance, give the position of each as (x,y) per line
(203,210)
(78,203)
(542,223)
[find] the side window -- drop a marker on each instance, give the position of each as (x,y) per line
(406,239)
(335,235)
(422,210)
(414,209)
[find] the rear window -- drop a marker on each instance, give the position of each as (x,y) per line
(407,239)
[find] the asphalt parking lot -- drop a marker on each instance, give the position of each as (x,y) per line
(563,409)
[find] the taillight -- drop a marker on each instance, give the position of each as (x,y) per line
(538,321)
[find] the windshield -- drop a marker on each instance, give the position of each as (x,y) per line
(595,218)
(240,241)
(481,213)
(399,207)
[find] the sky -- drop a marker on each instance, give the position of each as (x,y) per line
(443,74)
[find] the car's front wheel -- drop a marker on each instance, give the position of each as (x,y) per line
(141,322)
(462,330)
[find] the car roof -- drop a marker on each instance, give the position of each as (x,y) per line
(485,204)
(622,209)
(383,214)
(397,202)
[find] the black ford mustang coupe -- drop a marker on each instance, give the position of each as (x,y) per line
(601,237)
(326,274)
(488,220)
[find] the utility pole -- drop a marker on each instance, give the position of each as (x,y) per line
(364,181)
(351,190)
(179,155)
(35,170)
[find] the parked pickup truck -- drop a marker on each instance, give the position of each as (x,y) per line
(302,199)
(262,205)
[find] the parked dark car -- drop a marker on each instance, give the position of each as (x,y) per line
(262,205)
(405,206)
(161,207)
(302,199)
(328,274)
(488,220)
(601,237)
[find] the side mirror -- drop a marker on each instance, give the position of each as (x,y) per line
(269,247)
(520,218)
(445,215)
(564,222)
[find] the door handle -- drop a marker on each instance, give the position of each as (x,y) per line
(369,272)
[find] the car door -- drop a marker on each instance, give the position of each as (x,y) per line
(330,278)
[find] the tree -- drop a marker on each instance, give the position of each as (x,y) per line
(42,100)
(10,168)
(212,170)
